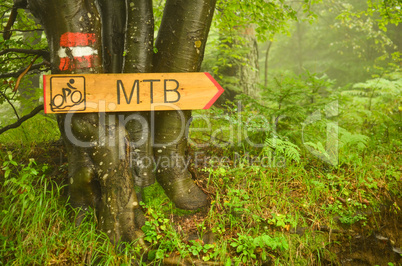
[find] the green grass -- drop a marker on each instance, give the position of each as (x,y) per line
(36,227)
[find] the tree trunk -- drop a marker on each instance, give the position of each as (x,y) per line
(241,75)
(249,70)
(99,145)
(99,171)
(299,35)
(181,43)
(266,63)
(138,59)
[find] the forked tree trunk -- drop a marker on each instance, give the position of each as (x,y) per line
(99,145)
(99,171)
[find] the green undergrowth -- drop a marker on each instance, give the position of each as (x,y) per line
(257,214)
(36,226)
(40,128)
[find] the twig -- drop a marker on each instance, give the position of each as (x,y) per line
(17,83)
(17,30)
(22,119)
(19,72)
(10,103)
(45,54)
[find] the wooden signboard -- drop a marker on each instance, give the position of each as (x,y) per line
(129,92)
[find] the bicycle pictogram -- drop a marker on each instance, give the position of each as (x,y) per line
(67,92)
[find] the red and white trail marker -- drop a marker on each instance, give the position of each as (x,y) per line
(76,50)
(88,93)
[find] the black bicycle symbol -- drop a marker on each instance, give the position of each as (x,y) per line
(69,96)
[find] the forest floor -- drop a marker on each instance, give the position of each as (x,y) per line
(316,215)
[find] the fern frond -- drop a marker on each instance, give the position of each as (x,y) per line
(350,140)
(284,147)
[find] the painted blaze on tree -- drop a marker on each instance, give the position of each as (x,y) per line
(88,36)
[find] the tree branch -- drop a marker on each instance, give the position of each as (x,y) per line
(10,103)
(22,119)
(10,23)
(13,16)
(19,30)
(19,72)
(45,54)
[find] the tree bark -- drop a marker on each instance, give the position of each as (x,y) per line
(113,18)
(266,63)
(249,69)
(181,43)
(97,148)
(241,74)
(299,36)
(138,59)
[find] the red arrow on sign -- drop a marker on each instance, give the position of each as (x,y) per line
(218,93)
(129,92)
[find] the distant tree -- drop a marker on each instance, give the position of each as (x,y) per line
(240,25)
(350,40)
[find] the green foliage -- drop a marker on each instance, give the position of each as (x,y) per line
(247,246)
(237,201)
(351,146)
(282,220)
(158,7)
(237,26)
(282,147)
(335,126)
(347,216)
(293,104)
(259,200)
(26,36)
(268,17)
(370,20)
(350,41)
(374,108)
(164,239)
